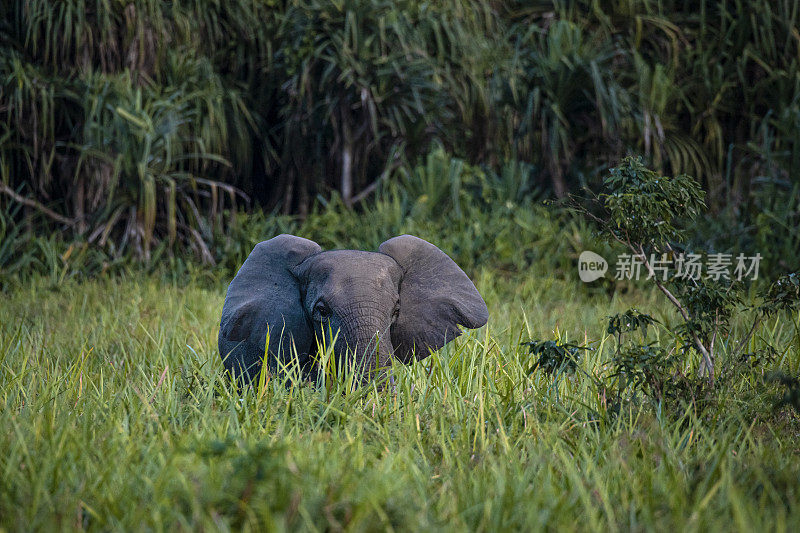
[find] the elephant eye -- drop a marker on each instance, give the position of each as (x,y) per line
(322,310)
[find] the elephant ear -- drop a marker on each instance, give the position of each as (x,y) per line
(265,294)
(436,297)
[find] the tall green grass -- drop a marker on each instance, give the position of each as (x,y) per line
(117,415)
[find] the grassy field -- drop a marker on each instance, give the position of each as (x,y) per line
(116,415)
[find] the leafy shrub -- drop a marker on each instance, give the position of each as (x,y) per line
(553,357)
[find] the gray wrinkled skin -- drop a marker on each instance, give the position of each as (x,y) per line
(402,302)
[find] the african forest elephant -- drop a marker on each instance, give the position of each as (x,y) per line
(401,302)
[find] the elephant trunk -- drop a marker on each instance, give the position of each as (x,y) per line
(366,334)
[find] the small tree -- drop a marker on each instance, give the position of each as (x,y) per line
(645,212)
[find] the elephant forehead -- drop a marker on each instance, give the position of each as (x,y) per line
(346,270)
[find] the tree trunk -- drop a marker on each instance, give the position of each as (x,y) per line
(559,185)
(347,165)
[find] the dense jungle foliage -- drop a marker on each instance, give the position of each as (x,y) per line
(140,127)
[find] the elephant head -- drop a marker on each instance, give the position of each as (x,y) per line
(401,302)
